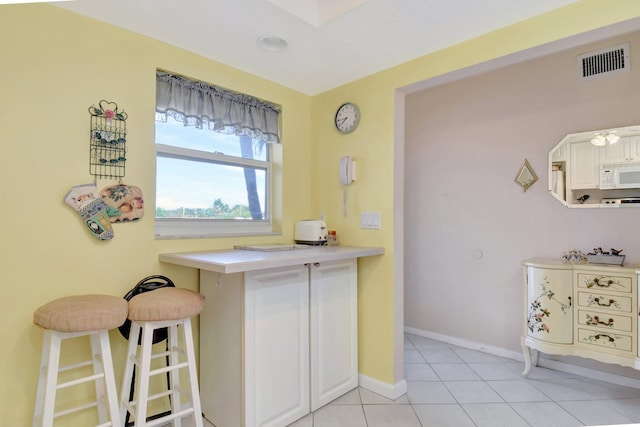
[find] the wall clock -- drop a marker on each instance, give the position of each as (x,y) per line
(347,118)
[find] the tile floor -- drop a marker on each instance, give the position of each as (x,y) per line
(458,387)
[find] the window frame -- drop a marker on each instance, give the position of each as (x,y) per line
(185,228)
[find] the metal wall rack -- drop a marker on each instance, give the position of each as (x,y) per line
(108,140)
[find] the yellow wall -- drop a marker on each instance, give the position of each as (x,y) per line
(54,65)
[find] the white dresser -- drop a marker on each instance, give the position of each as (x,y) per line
(584,310)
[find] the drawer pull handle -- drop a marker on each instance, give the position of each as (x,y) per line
(595,321)
(605,303)
(608,337)
(601,282)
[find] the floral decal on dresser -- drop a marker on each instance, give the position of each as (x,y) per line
(538,311)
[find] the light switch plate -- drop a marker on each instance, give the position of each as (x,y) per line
(370,220)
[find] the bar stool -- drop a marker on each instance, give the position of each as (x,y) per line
(72,317)
(163,308)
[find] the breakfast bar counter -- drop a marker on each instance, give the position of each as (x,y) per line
(237,260)
(279,331)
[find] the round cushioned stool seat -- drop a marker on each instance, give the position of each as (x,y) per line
(81,313)
(166,304)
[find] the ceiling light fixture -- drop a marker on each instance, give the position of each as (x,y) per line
(273,43)
(612,138)
(601,140)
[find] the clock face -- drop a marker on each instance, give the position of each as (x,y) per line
(347,118)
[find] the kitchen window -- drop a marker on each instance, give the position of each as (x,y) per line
(214,160)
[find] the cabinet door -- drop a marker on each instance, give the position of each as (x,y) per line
(585,165)
(549,305)
(634,148)
(334,330)
(618,152)
(625,150)
(276,353)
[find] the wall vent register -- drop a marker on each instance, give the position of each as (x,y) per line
(613,59)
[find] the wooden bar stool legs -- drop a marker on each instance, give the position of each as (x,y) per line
(73,317)
(163,308)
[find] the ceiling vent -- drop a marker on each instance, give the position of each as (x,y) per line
(606,61)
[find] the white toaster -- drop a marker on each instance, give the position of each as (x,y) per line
(311,232)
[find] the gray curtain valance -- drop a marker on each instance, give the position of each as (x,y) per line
(199,104)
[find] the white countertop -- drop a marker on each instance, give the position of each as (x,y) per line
(238,260)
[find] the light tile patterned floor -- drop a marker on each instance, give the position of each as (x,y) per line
(457,387)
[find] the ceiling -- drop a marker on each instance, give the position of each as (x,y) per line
(328,46)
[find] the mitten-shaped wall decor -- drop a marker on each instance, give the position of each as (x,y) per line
(127,199)
(86,200)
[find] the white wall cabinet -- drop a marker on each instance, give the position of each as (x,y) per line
(625,150)
(581,310)
(277,343)
(584,165)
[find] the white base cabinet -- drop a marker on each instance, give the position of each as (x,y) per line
(276,346)
(334,331)
(581,310)
(277,343)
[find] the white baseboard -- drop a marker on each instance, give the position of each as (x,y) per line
(390,391)
(543,362)
(473,345)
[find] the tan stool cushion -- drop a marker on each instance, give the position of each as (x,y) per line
(166,304)
(81,313)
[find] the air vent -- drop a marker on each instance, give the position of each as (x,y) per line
(605,61)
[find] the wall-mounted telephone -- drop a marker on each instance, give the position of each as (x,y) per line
(347,175)
(347,170)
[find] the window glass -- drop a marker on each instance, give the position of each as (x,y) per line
(192,189)
(176,134)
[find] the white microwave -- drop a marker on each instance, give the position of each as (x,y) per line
(619,175)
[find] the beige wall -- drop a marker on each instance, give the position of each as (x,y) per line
(54,65)
(465,142)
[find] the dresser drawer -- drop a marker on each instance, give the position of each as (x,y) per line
(605,320)
(611,283)
(605,301)
(609,339)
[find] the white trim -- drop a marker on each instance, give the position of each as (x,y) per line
(570,368)
(398,237)
(193,228)
(473,345)
(390,391)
